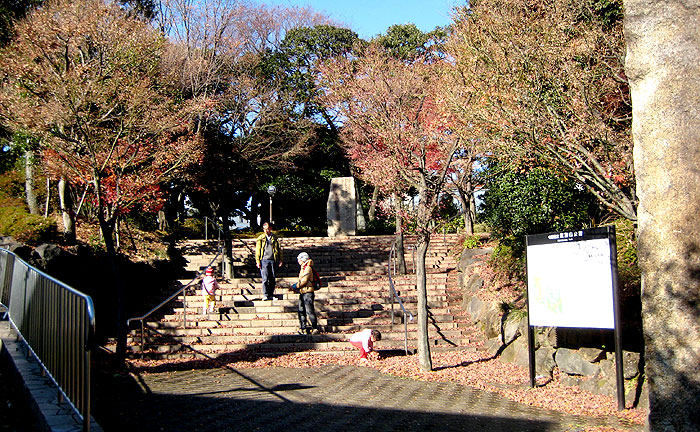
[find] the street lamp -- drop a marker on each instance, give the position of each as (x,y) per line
(271,190)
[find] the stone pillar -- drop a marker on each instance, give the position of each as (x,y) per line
(342,207)
(663,67)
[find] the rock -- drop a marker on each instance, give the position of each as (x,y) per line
(468,258)
(572,363)
(23,251)
(474,284)
(571,381)
(591,355)
(599,386)
(630,363)
(475,309)
(544,361)
(511,329)
(493,346)
(491,322)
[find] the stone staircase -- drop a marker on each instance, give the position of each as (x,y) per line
(354,295)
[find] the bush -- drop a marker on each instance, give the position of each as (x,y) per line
(508,260)
(535,202)
(193,228)
(26,228)
(378,226)
(472,242)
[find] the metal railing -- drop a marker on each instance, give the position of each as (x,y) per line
(182,289)
(57,325)
(207,221)
(391,269)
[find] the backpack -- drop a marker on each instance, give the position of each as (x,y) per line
(317,280)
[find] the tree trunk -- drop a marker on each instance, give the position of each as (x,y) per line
(373,204)
(228,250)
(426,363)
(663,66)
(30,172)
(47,201)
(64,198)
(398,239)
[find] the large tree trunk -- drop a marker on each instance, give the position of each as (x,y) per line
(426,363)
(663,66)
(67,209)
(29,182)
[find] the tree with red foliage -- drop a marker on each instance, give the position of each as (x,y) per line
(85,77)
(398,137)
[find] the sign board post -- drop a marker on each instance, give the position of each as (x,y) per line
(572,282)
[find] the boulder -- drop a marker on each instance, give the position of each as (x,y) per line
(630,363)
(511,329)
(591,355)
(572,362)
(544,361)
(23,251)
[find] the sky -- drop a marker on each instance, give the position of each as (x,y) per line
(372,17)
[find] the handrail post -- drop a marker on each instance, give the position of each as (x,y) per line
(143,341)
(184,308)
(405,333)
(206,225)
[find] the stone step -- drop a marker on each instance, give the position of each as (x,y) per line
(355,296)
(276,343)
(289,326)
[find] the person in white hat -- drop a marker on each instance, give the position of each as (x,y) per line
(305,286)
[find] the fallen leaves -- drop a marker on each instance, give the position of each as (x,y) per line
(471,368)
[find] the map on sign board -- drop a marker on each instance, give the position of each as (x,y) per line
(570,281)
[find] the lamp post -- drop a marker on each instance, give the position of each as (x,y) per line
(271,190)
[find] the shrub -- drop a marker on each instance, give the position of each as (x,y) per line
(193,228)
(26,228)
(472,242)
(534,202)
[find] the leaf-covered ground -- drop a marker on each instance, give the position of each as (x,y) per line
(474,369)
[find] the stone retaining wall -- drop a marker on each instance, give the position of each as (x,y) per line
(586,360)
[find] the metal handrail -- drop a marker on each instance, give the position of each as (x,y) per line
(143,317)
(57,325)
(207,219)
(221,231)
(444,227)
(391,268)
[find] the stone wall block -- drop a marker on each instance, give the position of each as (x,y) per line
(491,322)
(591,354)
(474,307)
(571,362)
(544,361)
(630,363)
(511,329)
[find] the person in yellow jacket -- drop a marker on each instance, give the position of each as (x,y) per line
(305,287)
(268,254)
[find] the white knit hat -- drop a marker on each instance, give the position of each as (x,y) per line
(303,257)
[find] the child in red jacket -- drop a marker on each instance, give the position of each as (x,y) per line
(364,341)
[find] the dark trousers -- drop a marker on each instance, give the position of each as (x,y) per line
(267,271)
(306,310)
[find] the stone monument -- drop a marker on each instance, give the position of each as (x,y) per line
(343,210)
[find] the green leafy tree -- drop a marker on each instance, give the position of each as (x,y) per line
(518,203)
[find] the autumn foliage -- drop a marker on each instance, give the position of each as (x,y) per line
(85,78)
